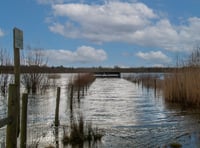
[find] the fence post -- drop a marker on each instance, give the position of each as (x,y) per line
(155,87)
(17,45)
(71,96)
(11,131)
(57,107)
(24,121)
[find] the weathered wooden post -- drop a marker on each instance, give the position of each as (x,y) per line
(155,87)
(11,131)
(57,117)
(24,121)
(17,45)
(71,96)
(57,107)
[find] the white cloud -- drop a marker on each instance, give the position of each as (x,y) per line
(83,54)
(102,23)
(154,56)
(1,32)
(116,21)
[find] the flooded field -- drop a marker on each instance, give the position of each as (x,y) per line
(129,115)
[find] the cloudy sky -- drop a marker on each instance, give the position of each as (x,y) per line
(86,33)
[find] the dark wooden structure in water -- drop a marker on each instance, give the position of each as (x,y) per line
(107,74)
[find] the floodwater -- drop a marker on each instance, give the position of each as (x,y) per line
(129,116)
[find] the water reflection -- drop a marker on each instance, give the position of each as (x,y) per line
(130,115)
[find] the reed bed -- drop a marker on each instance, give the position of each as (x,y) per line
(80,83)
(79,131)
(148,81)
(183,86)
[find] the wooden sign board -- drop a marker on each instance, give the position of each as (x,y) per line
(18,38)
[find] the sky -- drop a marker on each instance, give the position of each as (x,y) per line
(108,33)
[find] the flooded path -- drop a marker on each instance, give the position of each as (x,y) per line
(134,117)
(130,116)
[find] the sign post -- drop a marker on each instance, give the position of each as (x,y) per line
(18,44)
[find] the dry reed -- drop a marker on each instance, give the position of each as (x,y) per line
(78,83)
(183,86)
(81,132)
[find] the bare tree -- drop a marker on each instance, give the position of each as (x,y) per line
(194,59)
(32,80)
(4,78)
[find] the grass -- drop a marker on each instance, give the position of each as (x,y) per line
(50,146)
(183,87)
(175,145)
(81,132)
(78,85)
(148,81)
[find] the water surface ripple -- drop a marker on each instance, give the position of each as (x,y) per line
(130,116)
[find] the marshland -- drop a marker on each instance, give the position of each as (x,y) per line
(136,110)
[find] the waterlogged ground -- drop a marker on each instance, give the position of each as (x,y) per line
(129,115)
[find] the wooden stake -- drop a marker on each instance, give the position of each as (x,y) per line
(11,131)
(24,121)
(57,107)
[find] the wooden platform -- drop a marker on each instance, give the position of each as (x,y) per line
(108,75)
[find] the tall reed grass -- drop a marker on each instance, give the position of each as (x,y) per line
(79,131)
(183,86)
(80,83)
(148,81)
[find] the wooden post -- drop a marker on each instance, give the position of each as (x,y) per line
(57,117)
(57,107)
(17,44)
(71,96)
(24,121)
(155,87)
(17,82)
(11,131)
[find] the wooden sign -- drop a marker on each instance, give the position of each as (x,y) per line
(18,38)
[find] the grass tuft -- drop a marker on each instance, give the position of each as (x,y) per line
(81,132)
(175,145)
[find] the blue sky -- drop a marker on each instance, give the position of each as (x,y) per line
(87,33)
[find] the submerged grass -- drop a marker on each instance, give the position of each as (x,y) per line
(175,145)
(80,83)
(81,132)
(148,81)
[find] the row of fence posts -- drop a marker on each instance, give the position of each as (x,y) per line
(12,118)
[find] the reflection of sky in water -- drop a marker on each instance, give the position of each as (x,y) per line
(130,115)
(119,102)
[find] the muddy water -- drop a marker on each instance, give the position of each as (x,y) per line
(129,115)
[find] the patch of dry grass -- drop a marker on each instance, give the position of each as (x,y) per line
(81,132)
(183,86)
